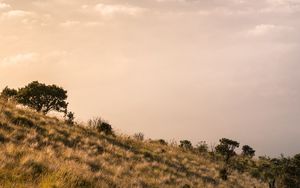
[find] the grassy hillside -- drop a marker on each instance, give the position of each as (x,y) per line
(40,151)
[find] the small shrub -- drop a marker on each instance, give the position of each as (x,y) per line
(162,142)
(100,125)
(186,144)
(139,136)
(202,147)
(105,128)
(70,116)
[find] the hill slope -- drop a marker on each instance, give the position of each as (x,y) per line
(40,151)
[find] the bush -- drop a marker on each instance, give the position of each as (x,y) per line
(202,147)
(70,116)
(139,136)
(100,125)
(186,144)
(162,142)
(105,128)
(248,151)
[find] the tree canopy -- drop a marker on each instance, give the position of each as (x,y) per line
(41,97)
(8,93)
(248,151)
(227,147)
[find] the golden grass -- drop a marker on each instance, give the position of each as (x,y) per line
(41,151)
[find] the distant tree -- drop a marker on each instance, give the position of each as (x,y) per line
(8,93)
(248,151)
(226,148)
(43,98)
(202,147)
(186,144)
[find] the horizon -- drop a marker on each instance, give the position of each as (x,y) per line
(171,69)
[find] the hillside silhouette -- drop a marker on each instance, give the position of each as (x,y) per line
(42,151)
(37,150)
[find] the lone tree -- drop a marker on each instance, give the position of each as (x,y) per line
(43,98)
(8,93)
(227,147)
(248,151)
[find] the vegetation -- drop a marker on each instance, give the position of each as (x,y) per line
(100,126)
(248,151)
(226,148)
(202,147)
(139,136)
(70,117)
(41,151)
(8,93)
(43,98)
(186,144)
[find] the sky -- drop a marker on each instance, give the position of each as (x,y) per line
(171,69)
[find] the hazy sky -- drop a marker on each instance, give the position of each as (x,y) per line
(182,69)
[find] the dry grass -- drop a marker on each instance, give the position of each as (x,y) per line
(40,151)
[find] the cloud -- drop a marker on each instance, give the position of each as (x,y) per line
(17,14)
(69,23)
(4,6)
(266,29)
(261,29)
(28,18)
(110,9)
(284,6)
(19,59)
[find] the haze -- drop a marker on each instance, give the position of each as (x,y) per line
(172,69)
